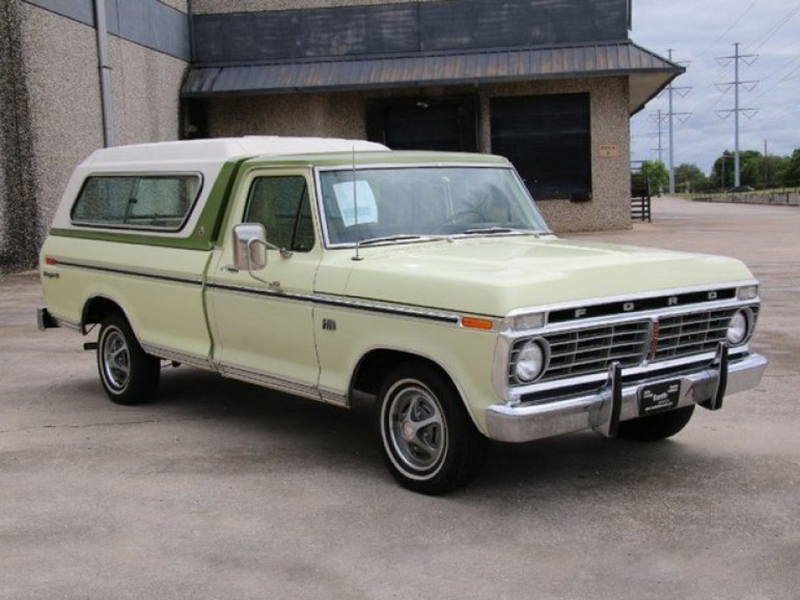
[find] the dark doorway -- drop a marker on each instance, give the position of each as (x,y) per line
(548,138)
(445,124)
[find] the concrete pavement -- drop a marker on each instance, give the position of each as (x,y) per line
(224,490)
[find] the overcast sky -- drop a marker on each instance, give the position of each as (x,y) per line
(699,31)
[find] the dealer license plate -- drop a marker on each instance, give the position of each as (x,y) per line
(659,397)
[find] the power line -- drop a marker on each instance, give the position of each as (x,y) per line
(768,35)
(708,106)
(780,81)
(750,84)
(782,67)
(728,30)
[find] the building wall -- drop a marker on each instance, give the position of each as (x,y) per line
(59,65)
(60,58)
(146,93)
(3,185)
(343,115)
(18,183)
(209,7)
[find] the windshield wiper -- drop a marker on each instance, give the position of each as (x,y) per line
(491,230)
(391,238)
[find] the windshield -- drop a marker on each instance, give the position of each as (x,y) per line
(411,203)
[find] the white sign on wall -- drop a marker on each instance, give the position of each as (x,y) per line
(608,150)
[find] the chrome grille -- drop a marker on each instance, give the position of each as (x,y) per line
(694,333)
(593,349)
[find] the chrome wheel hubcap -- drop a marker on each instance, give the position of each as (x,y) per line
(116,359)
(416,428)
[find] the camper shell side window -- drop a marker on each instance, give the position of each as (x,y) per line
(157,202)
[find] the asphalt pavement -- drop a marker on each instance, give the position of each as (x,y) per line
(224,490)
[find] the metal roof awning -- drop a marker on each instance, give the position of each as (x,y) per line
(649,72)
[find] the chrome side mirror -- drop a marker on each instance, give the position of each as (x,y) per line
(250,247)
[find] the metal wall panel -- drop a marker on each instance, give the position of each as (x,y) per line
(240,37)
(447,25)
(341,31)
(469,24)
(78,10)
(271,35)
(148,23)
(155,25)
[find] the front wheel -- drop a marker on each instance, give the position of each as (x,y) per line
(428,440)
(128,374)
(656,427)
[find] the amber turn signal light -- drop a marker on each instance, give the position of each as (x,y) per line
(476,323)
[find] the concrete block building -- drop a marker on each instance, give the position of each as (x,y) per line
(549,83)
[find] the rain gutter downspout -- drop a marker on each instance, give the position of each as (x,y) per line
(106,100)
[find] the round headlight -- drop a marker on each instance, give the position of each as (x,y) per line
(737,329)
(530,361)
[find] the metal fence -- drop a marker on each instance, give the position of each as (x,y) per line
(641,205)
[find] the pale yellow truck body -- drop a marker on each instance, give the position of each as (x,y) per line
(464,302)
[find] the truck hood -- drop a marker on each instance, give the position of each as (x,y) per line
(494,275)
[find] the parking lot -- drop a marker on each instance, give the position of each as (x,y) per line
(224,490)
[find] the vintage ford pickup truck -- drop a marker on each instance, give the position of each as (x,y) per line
(429,282)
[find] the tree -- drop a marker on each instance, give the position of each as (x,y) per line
(756,170)
(722,171)
(791,176)
(690,178)
(657,174)
(775,167)
(752,168)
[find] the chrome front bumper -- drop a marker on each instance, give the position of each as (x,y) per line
(615,402)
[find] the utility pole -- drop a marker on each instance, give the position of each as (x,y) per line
(671,140)
(737,179)
(766,166)
(724,61)
(681,91)
(659,119)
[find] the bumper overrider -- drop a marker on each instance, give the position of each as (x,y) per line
(617,400)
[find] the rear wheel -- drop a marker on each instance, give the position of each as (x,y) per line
(656,427)
(128,374)
(428,440)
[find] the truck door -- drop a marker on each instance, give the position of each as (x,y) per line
(263,332)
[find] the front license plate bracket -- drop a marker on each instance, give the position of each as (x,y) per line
(659,397)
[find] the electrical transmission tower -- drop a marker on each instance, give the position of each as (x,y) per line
(682,117)
(659,119)
(724,61)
